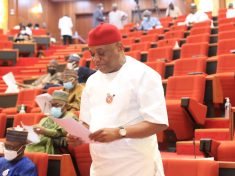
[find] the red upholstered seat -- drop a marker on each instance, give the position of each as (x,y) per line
(83,159)
(174,34)
(149,38)
(134,54)
(143,46)
(200,30)
(156,31)
(177,88)
(226,35)
(40,160)
(198,38)
(155,54)
(158,67)
(27,119)
(186,66)
(190,167)
(194,50)
(3,121)
(167,42)
(26,97)
(225,46)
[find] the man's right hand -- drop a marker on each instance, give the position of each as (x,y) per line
(73,140)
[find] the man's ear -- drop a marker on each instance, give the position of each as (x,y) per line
(120,46)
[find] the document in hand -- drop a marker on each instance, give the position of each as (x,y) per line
(74,128)
(32,136)
(10,81)
(43,101)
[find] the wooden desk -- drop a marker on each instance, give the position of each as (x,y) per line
(8,100)
(42,40)
(26,48)
(9,54)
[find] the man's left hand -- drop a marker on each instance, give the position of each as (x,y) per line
(105,135)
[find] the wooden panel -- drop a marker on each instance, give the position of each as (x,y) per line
(52,11)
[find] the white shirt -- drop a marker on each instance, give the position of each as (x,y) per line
(137,96)
(230,13)
(65,25)
(115,18)
(196,17)
(173,13)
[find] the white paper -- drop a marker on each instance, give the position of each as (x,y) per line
(32,136)
(43,101)
(10,81)
(74,128)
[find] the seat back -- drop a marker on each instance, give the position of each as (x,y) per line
(3,121)
(167,42)
(127,41)
(39,32)
(156,31)
(225,63)
(192,167)
(194,50)
(155,54)
(27,119)
(40,160)
(226,35)
(149,38)
(50,90)
(27,97)
(83,159)
(174,34)
(200,30)
(135,34)
(225,46)
(202,24)
(186,66)
(198,38)
(192,86)
(158,67)
(140,46)
(134,54)
(226,27)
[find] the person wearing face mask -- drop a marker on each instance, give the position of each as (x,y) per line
(73,88)
(51,79)
(117,17)
(83,73)
(149,22)
(48,130)
(14,163)
(173,11)
(195,16)
(98,16)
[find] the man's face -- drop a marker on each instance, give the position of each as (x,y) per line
(107,58)
(58,103)
(70,79)
(193,10)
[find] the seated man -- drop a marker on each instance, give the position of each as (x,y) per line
(230,11)
(73,88)
(51,134)
(149,22)
(14,163)
(83,72)
(195,16)
(51,79)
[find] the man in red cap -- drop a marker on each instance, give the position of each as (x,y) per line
(123,106)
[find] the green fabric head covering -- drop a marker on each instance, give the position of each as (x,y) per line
(60,95)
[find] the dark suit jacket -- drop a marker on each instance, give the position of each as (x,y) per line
(84,73)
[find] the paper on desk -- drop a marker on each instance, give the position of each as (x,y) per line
(43,101)
(32,136)
(74,128)
(10,81)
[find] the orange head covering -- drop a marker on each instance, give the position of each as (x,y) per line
(104,34)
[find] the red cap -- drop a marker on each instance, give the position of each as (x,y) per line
(104,34)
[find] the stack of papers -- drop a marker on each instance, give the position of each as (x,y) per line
(43,101)
(32,136)
(74,128)
(10,81)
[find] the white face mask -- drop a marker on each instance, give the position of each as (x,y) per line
(145,18)
(102,8)
(70,66)
(10,155)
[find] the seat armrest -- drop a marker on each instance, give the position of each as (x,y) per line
(195,110)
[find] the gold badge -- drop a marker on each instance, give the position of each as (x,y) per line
(109,98)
